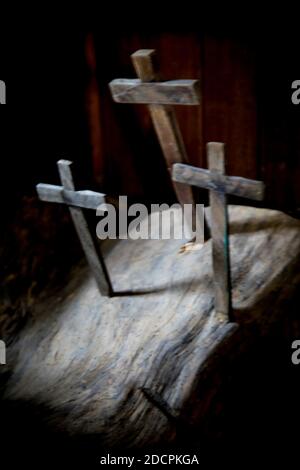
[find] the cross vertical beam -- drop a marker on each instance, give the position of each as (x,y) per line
(219,231)
(76,200)
(219,185)
(165,124)
(159,96)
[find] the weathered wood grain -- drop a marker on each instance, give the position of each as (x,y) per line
(145,65)
(88,243)
(219,231)
(173,92)
(86,357)
(235,185)
(215,180)
(165,125)
(86,198)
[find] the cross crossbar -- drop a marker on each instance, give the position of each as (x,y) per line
(234,185)
(76,200)
(173,92)
(159,96)
(86,199)
(219,185)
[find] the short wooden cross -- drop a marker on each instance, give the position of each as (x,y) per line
(76,200)
(159,96)
(219,185)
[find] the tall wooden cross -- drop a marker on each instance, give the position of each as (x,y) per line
(219,185)
(159,96)
(76,200)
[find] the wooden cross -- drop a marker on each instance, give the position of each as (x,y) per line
(219,185)
(159,96)
(76,200)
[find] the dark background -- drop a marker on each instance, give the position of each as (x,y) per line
(59,105)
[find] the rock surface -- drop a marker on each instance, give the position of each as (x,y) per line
(86,357)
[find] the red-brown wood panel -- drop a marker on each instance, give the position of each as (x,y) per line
(238,107)
(230,107)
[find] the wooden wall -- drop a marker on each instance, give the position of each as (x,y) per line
(245,81)
(59,105)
